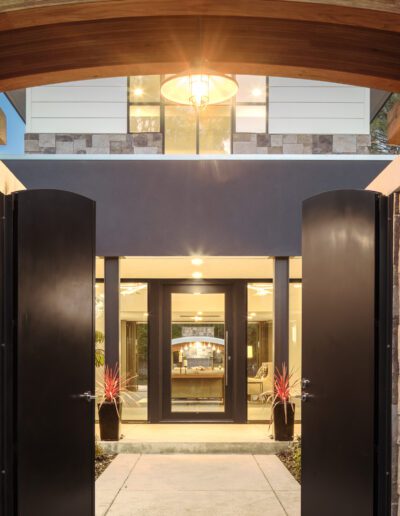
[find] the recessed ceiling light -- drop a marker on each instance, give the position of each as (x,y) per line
(253,314)
(197,261)
(197,274)
(145,314)
(138,92)
(256,92)
(199,313)
(197,318)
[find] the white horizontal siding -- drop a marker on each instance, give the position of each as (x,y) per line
(97,106)
(287,81)
(77,125)
(314,107)
(86,110)
(325,110)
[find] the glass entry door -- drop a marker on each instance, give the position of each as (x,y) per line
(197,352)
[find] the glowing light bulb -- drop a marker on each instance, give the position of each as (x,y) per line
(256,92)
(199,90)
(138,92)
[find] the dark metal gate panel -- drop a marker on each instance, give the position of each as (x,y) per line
(344,354)
(51,238)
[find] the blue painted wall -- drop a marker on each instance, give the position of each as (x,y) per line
(15,129)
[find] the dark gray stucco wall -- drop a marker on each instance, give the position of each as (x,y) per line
(213,207)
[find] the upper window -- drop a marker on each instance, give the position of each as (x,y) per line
(251,104)
(187,131)
(144,104)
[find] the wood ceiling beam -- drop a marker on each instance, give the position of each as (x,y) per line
(354,42)
(371,14)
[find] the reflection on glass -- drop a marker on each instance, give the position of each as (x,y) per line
(99,325)
(295,322)
(180,130)
(144,88)
(251,119)
(215,130)
(295,331)
(260,360)
(134,345)
(144,119)
(197,352)
(252,88)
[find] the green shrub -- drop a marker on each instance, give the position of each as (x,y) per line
(98,449)
(296,450)
(292,458)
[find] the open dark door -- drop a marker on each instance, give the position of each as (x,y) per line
(346,355)
(49,355)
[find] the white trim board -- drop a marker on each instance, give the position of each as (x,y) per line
(205,157)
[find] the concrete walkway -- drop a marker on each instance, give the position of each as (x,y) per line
(202,485)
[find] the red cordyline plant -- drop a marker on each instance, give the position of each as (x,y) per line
(113,387)
(284,388)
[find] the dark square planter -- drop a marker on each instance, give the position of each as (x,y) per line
(110,421)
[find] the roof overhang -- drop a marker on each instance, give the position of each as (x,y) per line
(347,41)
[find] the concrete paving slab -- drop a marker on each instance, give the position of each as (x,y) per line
(198,503)
(202,485)
(276,473)
(290,500)
(197,472)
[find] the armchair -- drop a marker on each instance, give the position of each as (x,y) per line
(262,382)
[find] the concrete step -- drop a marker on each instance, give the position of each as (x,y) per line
(258,448)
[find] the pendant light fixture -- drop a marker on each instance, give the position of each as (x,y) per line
(199,87)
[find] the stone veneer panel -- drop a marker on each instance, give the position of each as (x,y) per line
(151,143)
(146,143)
(248,143)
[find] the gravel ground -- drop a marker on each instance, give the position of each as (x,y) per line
(102,462)
(292,459)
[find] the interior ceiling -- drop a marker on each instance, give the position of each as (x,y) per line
(348,41)
(181,267)
(201,307)
(212,267)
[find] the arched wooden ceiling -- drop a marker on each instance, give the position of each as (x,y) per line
(349,41)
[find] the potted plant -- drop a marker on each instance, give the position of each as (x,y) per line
(112,388)
(283,407)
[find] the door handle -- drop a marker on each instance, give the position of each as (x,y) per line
(88,396)
(305,382)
